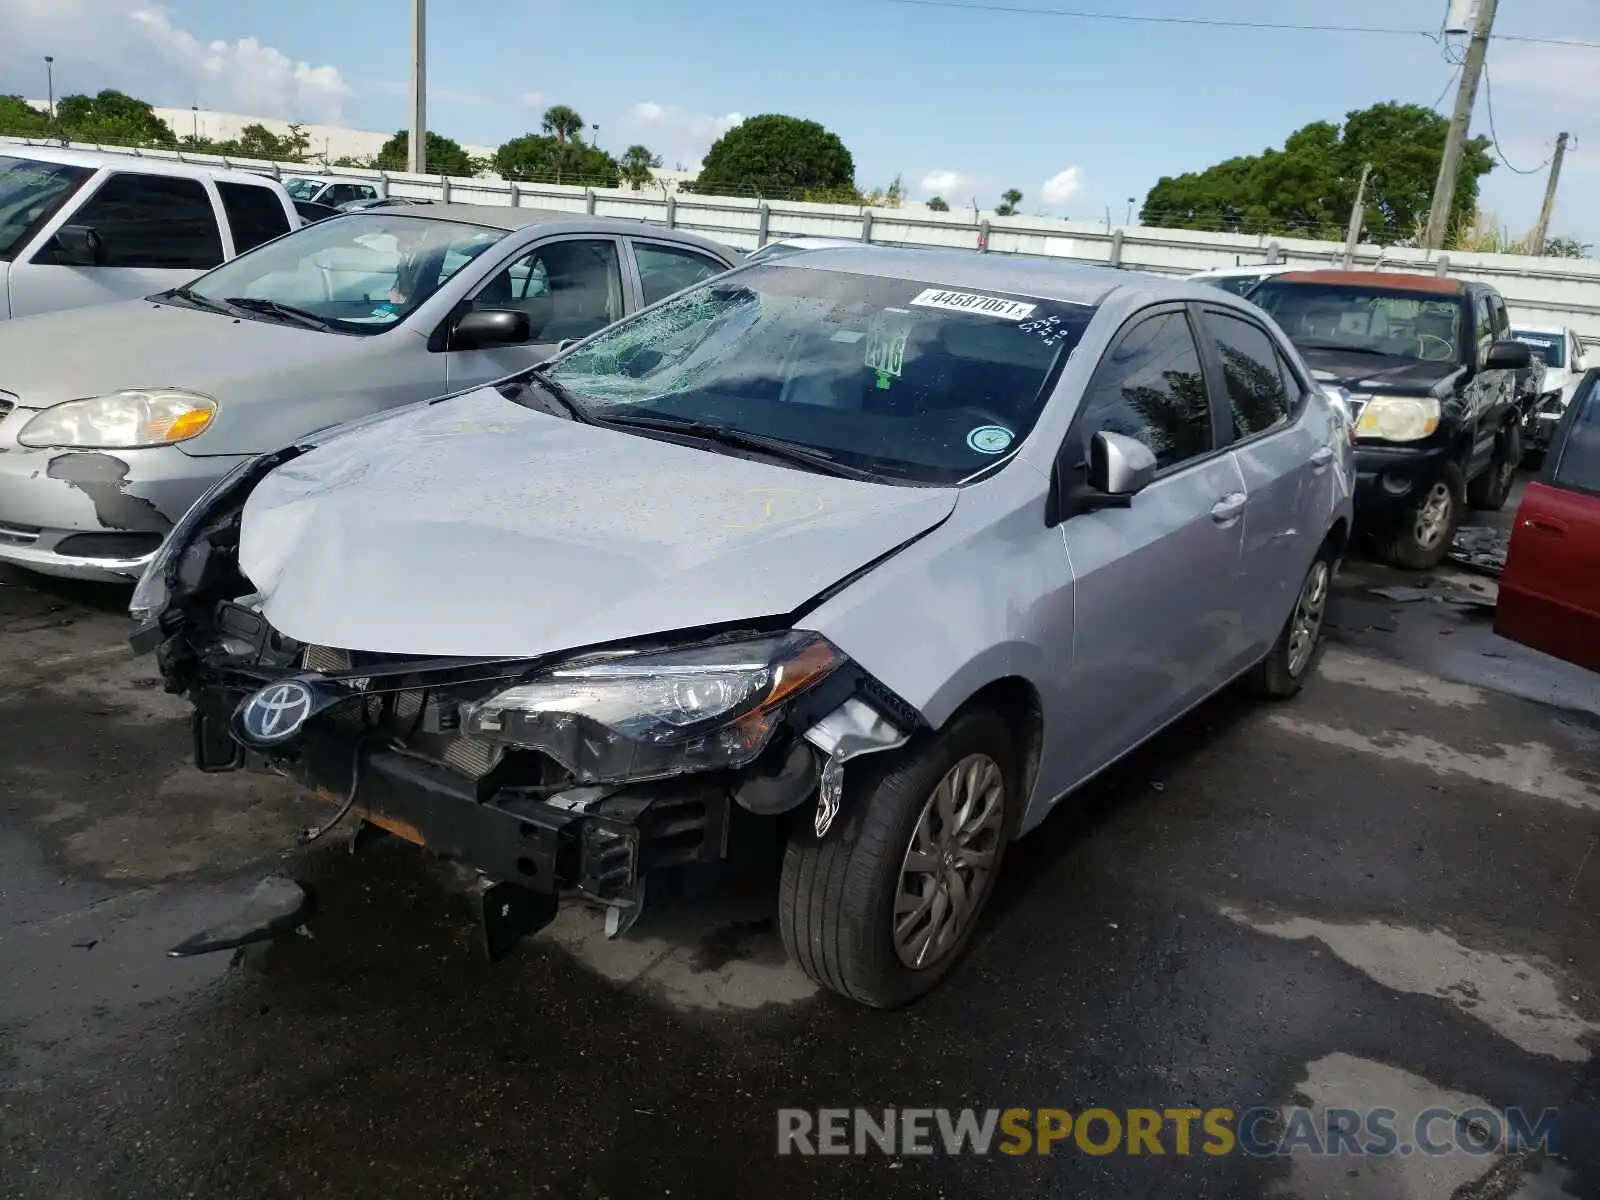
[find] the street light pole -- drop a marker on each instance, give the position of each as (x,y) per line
(416,158)
(1444,189)
(50,82)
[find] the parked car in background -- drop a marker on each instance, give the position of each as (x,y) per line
(311,211)
(330,190)
(1238,280)
(83,227)
(1559,351)
(1550,589)
(1429,365)
(885,551)
(113,420)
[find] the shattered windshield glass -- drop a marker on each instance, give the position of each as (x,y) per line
(909,380)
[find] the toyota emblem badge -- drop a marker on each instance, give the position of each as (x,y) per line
(275,713)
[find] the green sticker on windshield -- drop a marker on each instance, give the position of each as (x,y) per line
(886,344)
(883,382)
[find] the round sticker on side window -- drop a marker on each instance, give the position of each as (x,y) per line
(989,439)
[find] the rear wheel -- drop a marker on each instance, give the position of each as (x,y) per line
(1287,666)
(885,907)
(1421,538)
(1490,491)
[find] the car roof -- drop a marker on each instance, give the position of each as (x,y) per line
(1400,281)
(501,216)
(95,159)
(1048,279)
(1226,272)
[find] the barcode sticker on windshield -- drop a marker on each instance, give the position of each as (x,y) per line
(970,302)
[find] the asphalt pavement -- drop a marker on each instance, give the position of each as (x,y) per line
(1384,893)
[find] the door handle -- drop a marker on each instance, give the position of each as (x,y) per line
(1546,525)
(1229,507)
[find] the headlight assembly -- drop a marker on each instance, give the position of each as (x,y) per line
(1398,418)
(654,715)
(127,420)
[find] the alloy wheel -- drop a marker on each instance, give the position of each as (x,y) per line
(1306,626)
(1433,516)
(949,865)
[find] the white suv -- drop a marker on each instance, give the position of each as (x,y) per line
(81,227)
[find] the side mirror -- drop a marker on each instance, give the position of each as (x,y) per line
(78,246)
(482,328)
(1507,356)
(1120,467)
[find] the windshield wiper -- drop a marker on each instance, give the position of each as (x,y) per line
(800,456)
(1339,346)
(196,299)
(562,395)
(272,308)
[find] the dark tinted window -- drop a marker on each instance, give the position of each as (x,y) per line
(667,269)
(1150,387)
(255,214)
(1254,374)
(1579,466)
(153,221)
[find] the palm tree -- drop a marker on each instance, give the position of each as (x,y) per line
(636,164)
(1009,199)
(562,121)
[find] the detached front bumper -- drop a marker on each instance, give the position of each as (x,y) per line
(93,514)
(1390,479)
(1539,425)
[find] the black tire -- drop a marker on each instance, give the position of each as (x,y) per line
(1284,671)
(1404,547)
(1490,490)
(837,893)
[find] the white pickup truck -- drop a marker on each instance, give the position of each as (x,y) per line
(81,227)
(1561,352)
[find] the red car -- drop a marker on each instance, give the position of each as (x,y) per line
(1550,589)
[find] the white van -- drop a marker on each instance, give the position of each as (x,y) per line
(81,227)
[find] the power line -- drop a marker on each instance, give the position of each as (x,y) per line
(1222,23)
(1488,96)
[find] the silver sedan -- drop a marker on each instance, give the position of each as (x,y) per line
(113,420)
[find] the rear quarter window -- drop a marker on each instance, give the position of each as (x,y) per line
(255,214)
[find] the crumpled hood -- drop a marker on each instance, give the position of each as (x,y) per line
(477,527)
(78,352)
(1371,373)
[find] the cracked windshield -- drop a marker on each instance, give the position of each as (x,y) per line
(907,380)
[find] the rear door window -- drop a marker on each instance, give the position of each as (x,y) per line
(1252,370)
(255,213)
(667,269)
(153,221)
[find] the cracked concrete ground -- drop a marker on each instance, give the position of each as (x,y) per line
(1386,893)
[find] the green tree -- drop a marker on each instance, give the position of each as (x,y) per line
(939,204)
(636,165)
(18,118)
(114,118)
(1009,199)
(1308,187)
(441,155)
(562,122)
(539,158)
(1566,247)
(778,156)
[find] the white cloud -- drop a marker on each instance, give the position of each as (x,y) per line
(1559,77)
(1061,187)
(943,182)
(135,47)
(679,136)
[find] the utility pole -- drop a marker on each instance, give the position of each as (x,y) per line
(1444,190)
(1357,213)
(1543,227)
(416,159)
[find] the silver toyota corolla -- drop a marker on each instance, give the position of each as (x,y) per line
(114,419)
(882,551)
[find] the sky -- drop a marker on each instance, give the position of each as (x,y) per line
(1082,116)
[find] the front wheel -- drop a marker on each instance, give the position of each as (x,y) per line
(884,908)
(1421,538)
(1490,491)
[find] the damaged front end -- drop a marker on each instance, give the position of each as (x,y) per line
(589,772)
